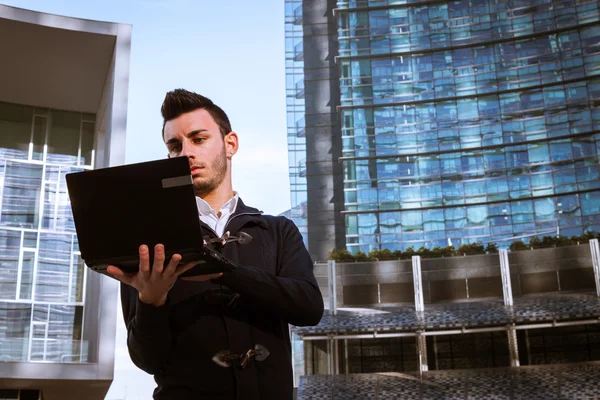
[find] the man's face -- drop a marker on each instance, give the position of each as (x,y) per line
(196,135)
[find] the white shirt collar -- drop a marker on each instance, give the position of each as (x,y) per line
(227,209)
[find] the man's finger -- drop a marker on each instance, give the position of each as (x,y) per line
(159,260)
(144,260)
(172,266)
(118,273)
(202,278)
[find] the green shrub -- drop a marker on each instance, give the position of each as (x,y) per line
(341,255)
(408,253)
(491,248)
(518,245)
(424,252)
(360,256)
(579,239)
(547,241)
(382,255)
(536,243)
(447,251)
(564,241)
(471,248)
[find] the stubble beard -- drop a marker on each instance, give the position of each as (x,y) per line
(219,168)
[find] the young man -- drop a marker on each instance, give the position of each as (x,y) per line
(220,336)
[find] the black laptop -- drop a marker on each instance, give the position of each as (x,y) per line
(118,209)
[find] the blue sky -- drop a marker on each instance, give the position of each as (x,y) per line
(231,51)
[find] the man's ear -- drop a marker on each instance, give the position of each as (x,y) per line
(231,144)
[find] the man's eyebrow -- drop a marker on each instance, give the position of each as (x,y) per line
(195,132)
(188,135)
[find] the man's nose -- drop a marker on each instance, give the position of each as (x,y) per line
(186,150)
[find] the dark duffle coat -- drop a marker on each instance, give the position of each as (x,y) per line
(273,287)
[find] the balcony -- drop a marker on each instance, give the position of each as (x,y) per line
(302,168)
(301,127)
(299,52)
(300,89)
(298,15)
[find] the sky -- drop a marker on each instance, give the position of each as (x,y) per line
(230,51)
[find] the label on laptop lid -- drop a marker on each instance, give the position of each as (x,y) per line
(177,181)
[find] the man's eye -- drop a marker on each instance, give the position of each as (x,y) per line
(198,140)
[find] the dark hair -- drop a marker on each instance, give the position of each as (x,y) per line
(181,101)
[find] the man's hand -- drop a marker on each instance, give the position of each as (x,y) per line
(154,285)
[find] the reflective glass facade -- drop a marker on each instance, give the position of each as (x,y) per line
(42,275)
(296,132)
(467,121)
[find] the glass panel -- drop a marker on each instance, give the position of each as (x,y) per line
(50,199)
(477,216)
(522,211)
(37,350)
(20,197)
(455,217)
(412,221)
(590,203)
(65,322)
(15,321)
(500,214)
(64,214)
(10,242)
(367,224)
(77,279)
(54,264)
(40,313)
(30,240)
(433,220)
(545,209)
(38,330)
(297,355)
(27,275)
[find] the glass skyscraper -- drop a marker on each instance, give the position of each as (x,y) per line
(296,123)
(465,121)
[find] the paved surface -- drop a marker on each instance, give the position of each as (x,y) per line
(567,381)
(475,314)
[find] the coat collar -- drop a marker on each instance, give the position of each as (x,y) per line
(242,208)
(243,215)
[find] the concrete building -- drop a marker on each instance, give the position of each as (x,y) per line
(63,108)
